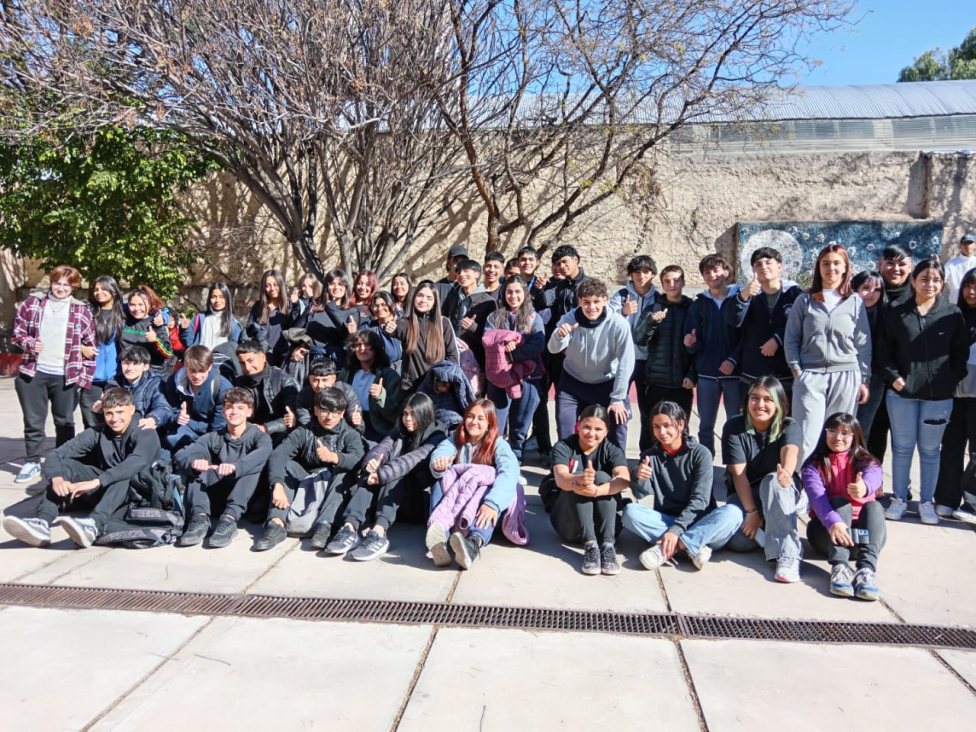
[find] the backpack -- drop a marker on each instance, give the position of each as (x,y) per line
(154,514)
(305,506)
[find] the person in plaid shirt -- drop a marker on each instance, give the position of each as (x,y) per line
(57,335)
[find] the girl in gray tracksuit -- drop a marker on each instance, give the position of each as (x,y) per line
(828,347)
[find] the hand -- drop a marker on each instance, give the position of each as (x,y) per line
(184,416)
(687,383)
(289,418)
(589,474)
(898,384)
(669,544)
(619,411)
(863,394)
(691,339)
(325,454)
(769,348)
(38,346)
(299,354)
(151,335)
(351,325)
(784,477)
(511,346)
(97,407)
(389,327)
(356,416)
(486,516)
(839,534)
(295,296)
(225,469)
(278,496)
(89,352)
(87,486)
(440,464)
(629,307)
(727,367)
(857,489)
(566,328)
(541,278)
(158,320)
(146,423)
(644,471)
(752,289)
(752,524)
(659,315)
(184,322)
(373,465)
(467,323)
(373,479)
(200,465)
(376,389)
(60,486)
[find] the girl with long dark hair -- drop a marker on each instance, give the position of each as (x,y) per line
(400,287)
(105,301)
(427,336)
(270,316)
(869,286)
(215,326)
(334,319)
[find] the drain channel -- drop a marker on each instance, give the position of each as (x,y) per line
(672,625)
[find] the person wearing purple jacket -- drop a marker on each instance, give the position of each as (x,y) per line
(843,481)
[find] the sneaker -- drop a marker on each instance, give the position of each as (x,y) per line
(865,585)
(926,512)
(787,569)
(652,558)
(196,531)
(591,558)
(961,514)
(33,531)
(943,511)
(466,549)
(608,560)
(321,536)
(28,473)
(346,539)
(701,558)
(82,531)
(274,534)
(840,581)
(225,532)
(373,545)
(896,509)
(437,545)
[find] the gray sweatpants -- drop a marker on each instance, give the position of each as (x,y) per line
(816,396)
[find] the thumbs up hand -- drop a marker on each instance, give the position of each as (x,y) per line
(289,418)
(857,489)
(356,416)
(629,306)
(376,389)
(691,339)
(644,471)
(184,416)
(150,335)
(785,479)
(589,474)
(351,325)
(566,328)
(659,315)
(752,289)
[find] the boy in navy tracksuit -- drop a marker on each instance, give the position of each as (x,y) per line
(195,394)
(146,388)
(714,344)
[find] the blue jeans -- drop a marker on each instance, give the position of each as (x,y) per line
(916,422)
(437,493)
(713,529)
(520,411)
(710,392)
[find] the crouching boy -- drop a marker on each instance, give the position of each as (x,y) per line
(223,467)
(92,470)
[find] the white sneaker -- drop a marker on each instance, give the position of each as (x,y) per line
(926,512)
(652,558)
(943,511)
(896,510)
(81,530)
(701,558)
(961,514)
(32,531)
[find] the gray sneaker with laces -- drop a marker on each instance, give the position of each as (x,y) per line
(373,545)
(346,539)
(82,531)
(33,531)
(787,569)
(591,559)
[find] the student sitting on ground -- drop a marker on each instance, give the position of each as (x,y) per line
(843,481)
(328,445)
(324,375)
(590,473)
(274,391)
(195,394)
(153,411)
(223,467)
(397,474)
(92,470)
(677,471)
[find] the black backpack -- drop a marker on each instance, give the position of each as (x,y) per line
(154,515)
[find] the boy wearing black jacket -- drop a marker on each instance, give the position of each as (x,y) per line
(91,470)
(329,444)
(227,465)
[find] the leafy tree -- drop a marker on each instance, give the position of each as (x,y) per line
(937,65)
(105,204)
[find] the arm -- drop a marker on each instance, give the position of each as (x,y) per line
(23,338)
(76,447)
(793,335)
(202,448)
(558,343)
(885,356)
(639,487)
(451,350)
(350,451)
(404,463)
(500,495)
(862,342)
(159,409)
(287,397)
(286,451)
(625,363)
(693,324)
(546,297)
(387,404)
(446,449)
(789,455)
(533,343)
(735,310)
(646,326)
(701,493)
(817,493)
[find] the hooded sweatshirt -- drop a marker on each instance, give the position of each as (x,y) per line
(681,483)
(828,341)
(119,457)
(597,351)
(616,304)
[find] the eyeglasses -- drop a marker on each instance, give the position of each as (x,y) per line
(331,412)
(840,435)
(61,285)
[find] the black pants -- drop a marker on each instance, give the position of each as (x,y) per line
(35,394)
(105,501)
(644,405)
(956,484)
(231,492)
(654,394)
(541,430)
(88,398)
(878,436)
(597,516)
(566,522)
(871,518)
(406,498)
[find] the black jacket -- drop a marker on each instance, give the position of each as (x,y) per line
(275,391)
(301,445)
(560,297)
(478,305)
(119,457)
(306,406)
(414,365)
(757,324)
(928,351)
(668,361)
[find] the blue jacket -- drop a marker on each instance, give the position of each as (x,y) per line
(506,467)
(147,393)
(107,360)
(206,407)
(449,406)
(715,340)
(756,324)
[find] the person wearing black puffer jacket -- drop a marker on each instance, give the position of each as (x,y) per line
(670,372)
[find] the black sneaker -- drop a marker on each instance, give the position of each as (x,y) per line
(225,532)
(545,457)
(274,534)
(321,536)
(345,540)
(591,558)
(608,560)
(196,531)
(372,546)
(466,549)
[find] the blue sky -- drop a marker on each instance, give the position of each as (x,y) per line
(890,35)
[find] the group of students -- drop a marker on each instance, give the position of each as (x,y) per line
(434,376)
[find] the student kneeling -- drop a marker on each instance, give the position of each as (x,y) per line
(227,465)
(678,471)
(91,470)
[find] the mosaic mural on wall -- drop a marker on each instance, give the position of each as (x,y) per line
(801,241)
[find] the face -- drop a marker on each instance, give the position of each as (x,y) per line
(667,431)
(870,292)
(895,272)
(928,283)
(271,288)
(476,423)
(423,300)
(514,296)
(442,387)
(328,419)
(567,267)
(380,310)
(672,283)
(492,270)
(513,271)
(236,413)
(336,289)
(61,289)
(217,300)
(767,269)
(839,438)
(716,277)
(452,263)
(364,352)
(197,378)
(363,289)
(409,419)
(969,294)
(593,306)
(253,363)
(133,370)
(762,408)
(592,431)
(318,383)
(102,295)
(642,279)
(138,307)
(832,269)
(967,248)
(528,263)
(467,278)
(399,287)
(119,418)
(308,287)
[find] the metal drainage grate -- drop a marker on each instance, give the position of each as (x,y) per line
(487,616)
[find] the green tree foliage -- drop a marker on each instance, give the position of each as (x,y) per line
(936,65)
(105,204)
